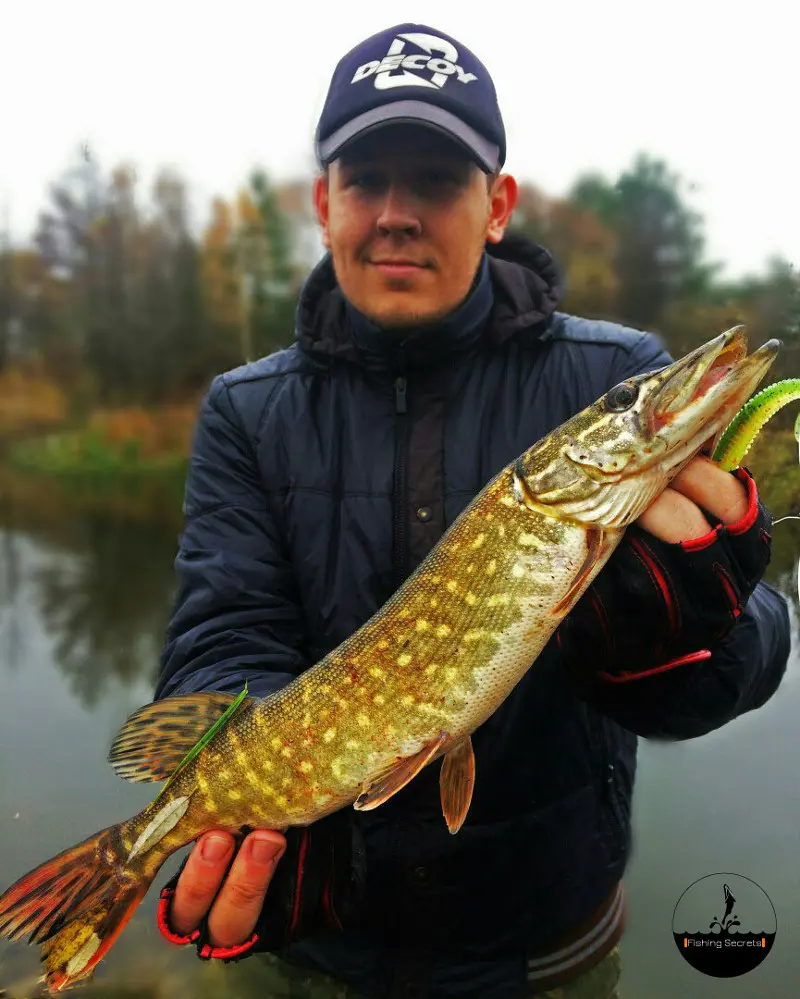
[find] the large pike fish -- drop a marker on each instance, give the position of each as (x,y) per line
(409,686)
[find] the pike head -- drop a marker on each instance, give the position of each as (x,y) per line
(606,465)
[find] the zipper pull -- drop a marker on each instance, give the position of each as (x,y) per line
(400,395)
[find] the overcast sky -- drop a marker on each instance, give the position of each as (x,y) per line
(216,88)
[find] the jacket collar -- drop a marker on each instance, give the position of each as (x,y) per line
(518,287)
(409,348)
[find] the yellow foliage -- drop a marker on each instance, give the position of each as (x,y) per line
(29,400)
(157,432)
(219,272)
(248,213)
(592,284)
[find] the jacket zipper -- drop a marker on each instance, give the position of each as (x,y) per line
(400,527)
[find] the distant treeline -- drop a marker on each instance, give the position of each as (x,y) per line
(122,299)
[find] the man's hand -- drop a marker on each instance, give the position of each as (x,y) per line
(677,583)
(677,515)
(234,897)
(233,913)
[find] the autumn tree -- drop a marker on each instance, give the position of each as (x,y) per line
(263,251)
(174,336)
(658,258)
(68,243)
(131,272)
(582,245)
(120,299)
(31,300)
(7,291)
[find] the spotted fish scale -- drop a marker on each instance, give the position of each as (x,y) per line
(439,657)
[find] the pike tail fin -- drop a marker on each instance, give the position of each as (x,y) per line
(75,905)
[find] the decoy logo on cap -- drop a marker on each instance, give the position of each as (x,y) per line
(438,56)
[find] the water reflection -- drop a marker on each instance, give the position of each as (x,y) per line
(108,608)
(10,627)
(104,594)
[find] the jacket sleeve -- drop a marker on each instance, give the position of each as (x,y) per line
(745,668)
(236,615)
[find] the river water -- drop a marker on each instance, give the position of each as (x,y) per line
(83,606)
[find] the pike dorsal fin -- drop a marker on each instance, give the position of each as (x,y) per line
(396,776)
(161,737)
(456,781)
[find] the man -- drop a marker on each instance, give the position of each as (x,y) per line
(429,353)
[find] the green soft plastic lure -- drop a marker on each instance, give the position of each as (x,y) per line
(797,434)
(743,429)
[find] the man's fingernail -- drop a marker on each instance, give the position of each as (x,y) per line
(214,848)
(264,850)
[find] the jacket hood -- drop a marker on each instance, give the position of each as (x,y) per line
(527,288)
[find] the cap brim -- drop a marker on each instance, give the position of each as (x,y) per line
(485,153)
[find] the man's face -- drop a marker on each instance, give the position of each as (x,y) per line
(405,214)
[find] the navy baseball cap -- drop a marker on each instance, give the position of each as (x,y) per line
(413,74)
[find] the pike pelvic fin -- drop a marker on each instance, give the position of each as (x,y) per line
(456,781)
(397,775)
(159,739)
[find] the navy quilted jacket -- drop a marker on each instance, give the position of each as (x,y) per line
(320,477)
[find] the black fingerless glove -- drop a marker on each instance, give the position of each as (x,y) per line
(656,606)
(316,889)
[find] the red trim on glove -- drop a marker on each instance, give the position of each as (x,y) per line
(743,526)
(207,952)
(704,541)
(301,857)
(691,657)
(656,572)
(162,920)
(730,591)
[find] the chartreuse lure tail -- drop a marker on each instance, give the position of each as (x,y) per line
(797,434)
(743,429)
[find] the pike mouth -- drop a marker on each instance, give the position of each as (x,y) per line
(702,392)
(700,371)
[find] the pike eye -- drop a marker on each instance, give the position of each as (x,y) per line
(621,397)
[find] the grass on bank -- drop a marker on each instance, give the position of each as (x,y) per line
(114,443)
(129,464)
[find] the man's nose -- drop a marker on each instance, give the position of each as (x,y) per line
(399,211)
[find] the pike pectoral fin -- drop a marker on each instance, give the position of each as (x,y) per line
(156,739)
(395,777)
(456,781)
(595,548)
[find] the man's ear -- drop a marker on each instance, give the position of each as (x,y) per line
(320,194)
(503,198)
